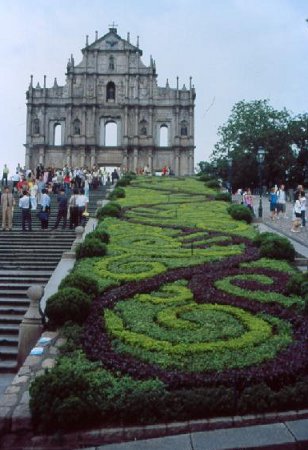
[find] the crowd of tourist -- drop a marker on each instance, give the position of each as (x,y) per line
(33,191)
(277,204)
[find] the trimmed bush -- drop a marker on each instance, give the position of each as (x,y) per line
(91,247)
(118,192)
(124,181)
(223,196)
(277,248)
(72,332)
(82,281)
(294,284)
(304,288)
(306,304)
(204,177)
(112,209)
(68,304)
(263,237)
(78,391)
(212,184)
(100,234)
(240,212)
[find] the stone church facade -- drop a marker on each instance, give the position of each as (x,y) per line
(111,92)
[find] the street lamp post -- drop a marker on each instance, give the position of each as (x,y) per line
(229,161)
(260,159)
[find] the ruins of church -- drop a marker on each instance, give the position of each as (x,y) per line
(111,113)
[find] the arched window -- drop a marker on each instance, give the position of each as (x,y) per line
(111,63)
(76,126)
(163,136)
(184,128)
(111,139)
(110,91)
(58,134)
(36,126)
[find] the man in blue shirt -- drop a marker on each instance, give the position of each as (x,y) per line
(62,209)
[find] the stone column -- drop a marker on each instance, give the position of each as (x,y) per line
(150,160)
(31,326)
(42,156)
(93,157)
(82,157)
(69,157)
(135,162)
(27,157)
(125,161)
(177,163)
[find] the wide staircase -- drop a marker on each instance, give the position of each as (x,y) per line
(28,258)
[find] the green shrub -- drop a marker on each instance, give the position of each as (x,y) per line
(205,177)
(212,184)
(118,192)
(263,237)
(294,284)
(68,304)
(91,247)
(306,304)
(240,212)
(100,234)
(223,196)
(82,281)
(124,181)
(112,209)
(277,248)
(78,391)
(72,332)
(304,289)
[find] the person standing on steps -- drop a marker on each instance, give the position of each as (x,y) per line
(62,209)
(26,204)
(82,203)
(45,209)
(7,203)
(5,174)
(73,209)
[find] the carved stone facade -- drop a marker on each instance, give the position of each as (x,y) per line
(111,87)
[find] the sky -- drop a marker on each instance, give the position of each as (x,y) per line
(233,49)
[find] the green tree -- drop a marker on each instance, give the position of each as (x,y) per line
(253,124)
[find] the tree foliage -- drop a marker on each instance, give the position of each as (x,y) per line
(254,124)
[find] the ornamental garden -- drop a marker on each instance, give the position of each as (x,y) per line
(175,310)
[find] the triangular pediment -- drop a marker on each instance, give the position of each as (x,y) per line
(111,41)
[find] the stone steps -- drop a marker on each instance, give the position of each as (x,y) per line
(28,258)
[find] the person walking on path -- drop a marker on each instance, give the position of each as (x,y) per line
(248,199)
(7,203)
(296,219)
(26,204)
(273,203)
(62,209)
(281,202)
(45,209)
(303,208)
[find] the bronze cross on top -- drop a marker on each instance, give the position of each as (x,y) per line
(113,25)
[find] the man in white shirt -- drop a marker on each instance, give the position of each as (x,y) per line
(82,203)
(26,204)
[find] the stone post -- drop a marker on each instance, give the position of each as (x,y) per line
(31,326)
